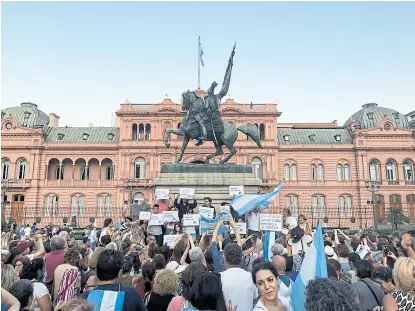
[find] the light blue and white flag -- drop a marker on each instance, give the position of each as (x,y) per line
(106,300)
(201,54)
(269,241)
(313,267)
(243,203)
(207,224)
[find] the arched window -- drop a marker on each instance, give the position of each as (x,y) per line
(51,205)
(313,172)
(138,198)
(346,169)
(408,172)
(343,172)
(78,205)
(395,201)
(262,131)
(290,171)
(287,169)
(257,167)
(291,202)
(148,131)
(140,168)
(59,172)
(320,172)
(108,172)
(380,205)
(21,169)
(410,200)
(317,172)
(345,206)
(318,205)
(141,131)
(5,169)
(339,172)
(374,170)
(84,172)
(134,133)
(74,202)
(104,204)
(391,175)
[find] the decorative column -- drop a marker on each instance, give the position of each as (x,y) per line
(73,171)
(60,171)
(100,174)
(46,172)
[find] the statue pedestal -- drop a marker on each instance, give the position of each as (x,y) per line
(208,180)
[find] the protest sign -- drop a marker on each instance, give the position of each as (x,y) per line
(156,220)
(187,193)
(235,190)
(171,216)
(226,211)
(169,239)
(362,251)
(270,222)
(145,215)
(191,220)
(206,211)
(162,194)
(241,226)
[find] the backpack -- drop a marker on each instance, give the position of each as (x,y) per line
(69,286)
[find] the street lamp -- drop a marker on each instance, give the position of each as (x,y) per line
(373,186)
(5,187)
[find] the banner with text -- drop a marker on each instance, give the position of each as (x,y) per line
(270,222)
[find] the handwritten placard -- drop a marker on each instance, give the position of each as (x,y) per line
(191,220)
(270,222)
(362,251)
(145,215)
(169,239)
(171,216)
(156,220)
(208,212)
(235,190)
(187,193)
(241,227)
(162,194)
(226,211)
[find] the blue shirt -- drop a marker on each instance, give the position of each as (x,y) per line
(218,260)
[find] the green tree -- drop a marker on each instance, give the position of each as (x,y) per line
(396,217)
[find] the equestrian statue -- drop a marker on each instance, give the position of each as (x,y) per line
(202,121)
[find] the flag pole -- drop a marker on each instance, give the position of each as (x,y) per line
(198,63)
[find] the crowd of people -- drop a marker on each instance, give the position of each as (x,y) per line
(125,265)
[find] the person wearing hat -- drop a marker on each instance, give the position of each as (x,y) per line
(330,253)
(175,267)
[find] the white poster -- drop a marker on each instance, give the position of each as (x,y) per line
(156,220)
(187,193)
(171,216)
(208,212)
(362,251)
(226,211)
(270,222)
(145,215)
(235,190)
(191,220)
(241,226)
(169,239)
(162,194)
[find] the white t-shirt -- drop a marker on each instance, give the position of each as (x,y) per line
(253,221)
(39,290)
(103,232)
(238,288)
(260,306)
(27,231)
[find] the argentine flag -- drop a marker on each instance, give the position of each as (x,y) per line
(201,53)
(243,203)
(207,224)
(313,267)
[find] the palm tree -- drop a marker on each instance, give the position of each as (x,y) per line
(396,217)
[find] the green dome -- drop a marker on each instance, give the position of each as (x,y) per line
(27,115)
(370,114)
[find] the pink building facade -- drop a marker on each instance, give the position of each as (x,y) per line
(53,172)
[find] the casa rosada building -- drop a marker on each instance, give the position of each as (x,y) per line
(53,172)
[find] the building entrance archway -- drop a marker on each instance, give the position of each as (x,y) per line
(17,208)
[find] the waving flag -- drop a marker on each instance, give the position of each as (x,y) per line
(207,224)
(201,54)
(243,203)
(313,267)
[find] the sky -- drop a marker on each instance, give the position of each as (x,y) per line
(319,61)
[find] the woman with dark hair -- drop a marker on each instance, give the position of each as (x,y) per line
(126,277)
(107,229)
(153,250)
(206,293)
(19,262)
(23,291)
(265,277)
(34,272)
(370,293)
(187,279)
(144,281)
(178,228)
(383,276)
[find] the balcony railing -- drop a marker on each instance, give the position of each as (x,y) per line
(80,183)
(393,182)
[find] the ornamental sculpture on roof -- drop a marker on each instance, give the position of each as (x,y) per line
(202,121)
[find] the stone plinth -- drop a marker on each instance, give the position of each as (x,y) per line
(209,180)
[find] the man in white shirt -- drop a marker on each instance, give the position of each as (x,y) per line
(27,231)
(237,284)
(253,221)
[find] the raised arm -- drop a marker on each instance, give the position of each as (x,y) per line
(237,235)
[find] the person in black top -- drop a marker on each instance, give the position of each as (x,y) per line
(110,263)
(183,206)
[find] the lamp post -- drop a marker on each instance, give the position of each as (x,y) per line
(5,187)
(130,186)
(373,186)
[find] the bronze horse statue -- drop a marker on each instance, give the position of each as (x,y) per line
(196,125)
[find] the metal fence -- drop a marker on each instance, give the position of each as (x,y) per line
(356,217)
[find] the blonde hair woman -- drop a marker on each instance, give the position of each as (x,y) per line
(402,298)
(8,276)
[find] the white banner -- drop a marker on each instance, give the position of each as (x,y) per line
(171,216)
(162,194)
(187,193)
(235,190)
(241,226)
(191,220)
(206,211)
(145,215)
(270,222)
(156,220)
(169,239)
